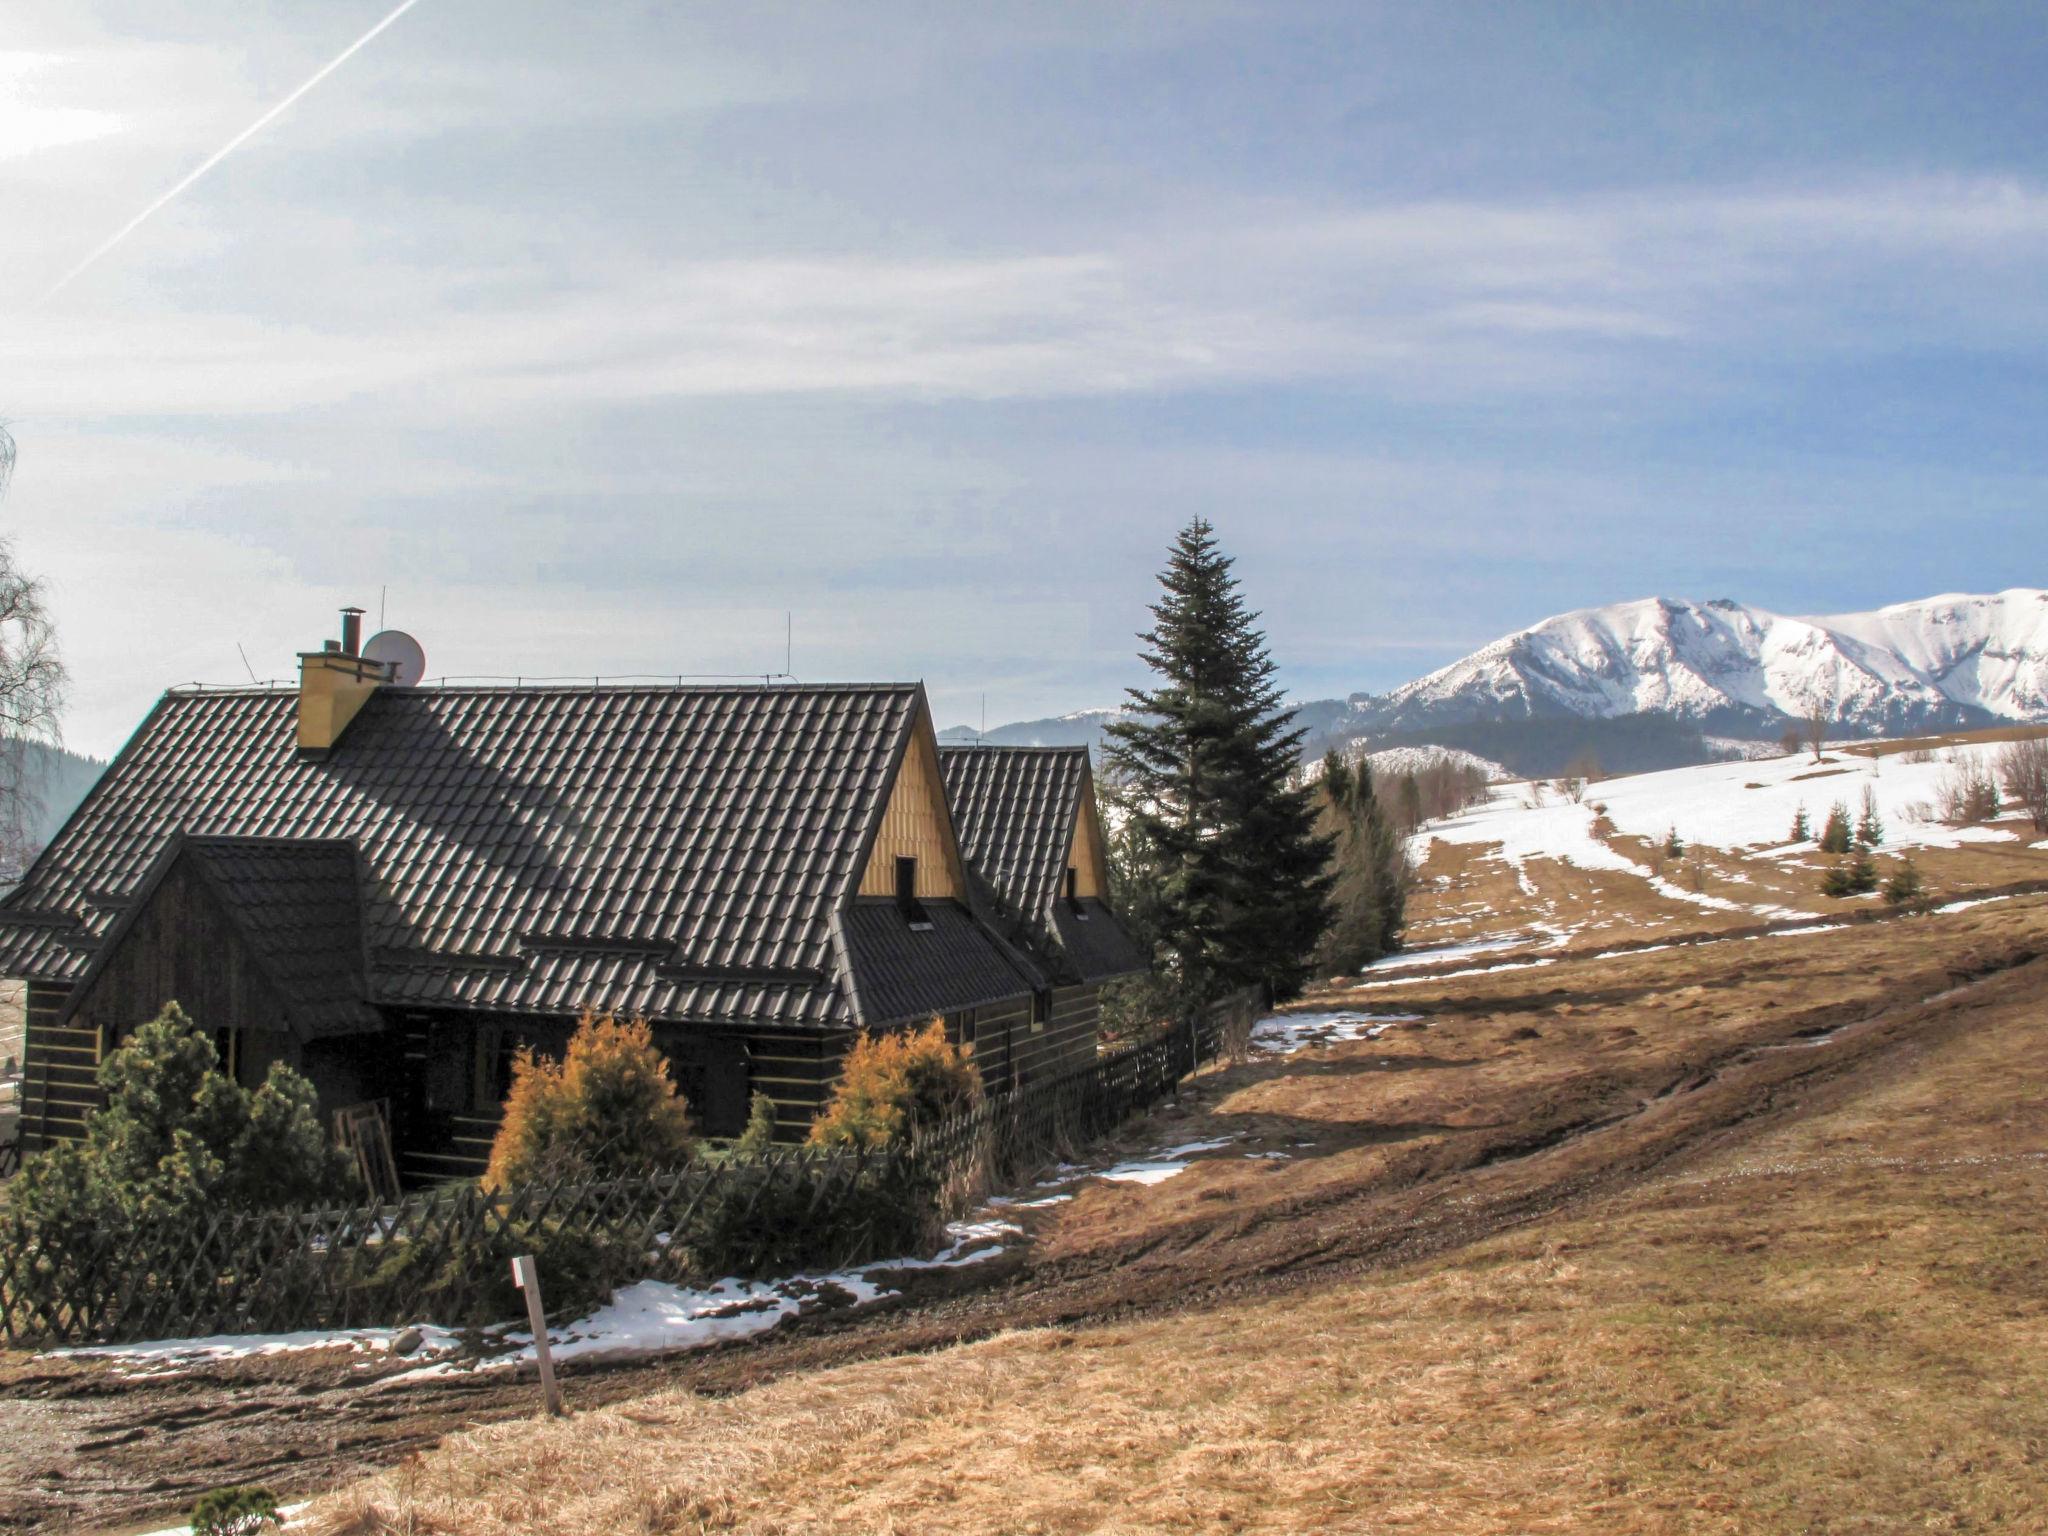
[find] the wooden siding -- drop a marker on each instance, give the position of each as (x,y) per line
(916,825)
(798,1072)
(59,1082)
(1065,1035)
(998,1033)
(1087,857)
(182,948)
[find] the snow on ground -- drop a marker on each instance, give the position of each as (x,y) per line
(1444,954)
(1285,1033)
(156,1354)
(1161,1166)
(1726,805)
(1477,970)
(655,1317)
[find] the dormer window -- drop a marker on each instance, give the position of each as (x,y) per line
(1073,893)
(906,896)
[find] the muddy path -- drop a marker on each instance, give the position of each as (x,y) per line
(82,1448)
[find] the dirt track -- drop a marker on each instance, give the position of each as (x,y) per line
(1525,1093)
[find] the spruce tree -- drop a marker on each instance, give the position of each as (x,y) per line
(1207,764)
(1839,835)
(1370,866)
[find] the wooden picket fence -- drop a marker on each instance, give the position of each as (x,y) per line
(444,1254)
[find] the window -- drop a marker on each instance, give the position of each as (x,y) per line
(1073,893)
(1041,1010)
(906,895)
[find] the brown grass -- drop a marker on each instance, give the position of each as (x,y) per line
(1829,1316)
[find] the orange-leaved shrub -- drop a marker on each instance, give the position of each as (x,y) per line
(607,1110)
(894,1085)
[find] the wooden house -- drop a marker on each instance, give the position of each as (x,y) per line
(1037,858)
(394,888)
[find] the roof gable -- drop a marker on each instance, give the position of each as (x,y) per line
(1016,810)
(290,908)
(1025,814)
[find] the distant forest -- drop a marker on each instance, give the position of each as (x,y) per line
(58,780)
(1544,747)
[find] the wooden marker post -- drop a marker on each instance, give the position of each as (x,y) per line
(526,1275)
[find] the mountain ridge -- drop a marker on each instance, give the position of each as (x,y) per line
(1650,678)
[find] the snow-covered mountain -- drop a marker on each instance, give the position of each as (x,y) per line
(1941,662)
(1643,685)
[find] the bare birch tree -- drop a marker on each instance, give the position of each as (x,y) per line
(32,684)
(1813,726)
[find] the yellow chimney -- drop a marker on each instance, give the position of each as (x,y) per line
(333,683)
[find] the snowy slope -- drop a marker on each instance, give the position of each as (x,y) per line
(1942,662)
(1990,653)
(1717,805)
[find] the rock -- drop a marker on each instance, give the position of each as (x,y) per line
(406,1340)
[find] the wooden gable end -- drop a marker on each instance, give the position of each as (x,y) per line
(917,825)
(182,947)
(1088,852)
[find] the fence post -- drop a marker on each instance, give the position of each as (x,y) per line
(526,1275)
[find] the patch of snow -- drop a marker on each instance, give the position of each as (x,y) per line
(1969,901)
(656,1317)
(1161,1166)
(1982,835)
(176,1353)
(1447,954)
(1478,970)
(1282,1034)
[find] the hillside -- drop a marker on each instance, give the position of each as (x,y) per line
(1717,1240)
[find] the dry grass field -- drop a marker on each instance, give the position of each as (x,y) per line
(1739,1237)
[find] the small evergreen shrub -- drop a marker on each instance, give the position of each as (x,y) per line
(759,1135)
(1869,826)
(1839,835)
(1905,888)
(242,1511)
(1966,792)
(175,1141)
(1674,845)
(607,1110)
(1802,831)
(1855,876)
(894,1085)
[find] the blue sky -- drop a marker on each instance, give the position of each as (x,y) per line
(603,336)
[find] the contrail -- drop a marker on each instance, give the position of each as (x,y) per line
(228,148)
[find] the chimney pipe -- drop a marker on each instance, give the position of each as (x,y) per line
(351,631)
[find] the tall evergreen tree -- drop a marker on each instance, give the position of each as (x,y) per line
(1236,871)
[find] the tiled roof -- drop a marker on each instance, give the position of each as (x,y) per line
(1094,942)
(1015,810)
(901,973)
(676,851)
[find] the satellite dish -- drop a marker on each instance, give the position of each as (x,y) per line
(407,661)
